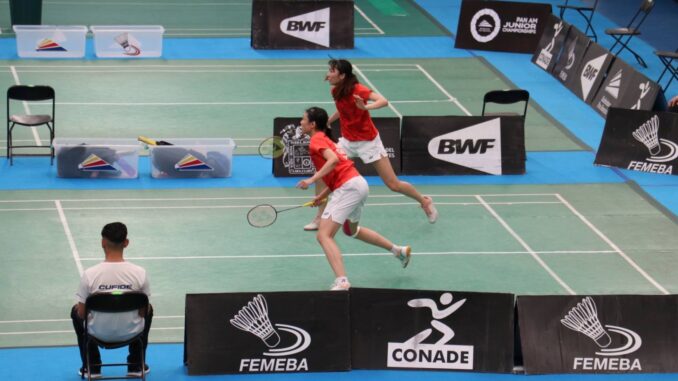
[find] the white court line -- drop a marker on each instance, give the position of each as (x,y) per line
(441,88)
(372,196)
(69,236)
(321,255)
(197,207)
(71,331)
(371,85)
(36,321)
(27,110)
(374,25)
(526,246)
(612,245)
(250,103)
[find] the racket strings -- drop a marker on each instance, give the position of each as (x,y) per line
(262,215)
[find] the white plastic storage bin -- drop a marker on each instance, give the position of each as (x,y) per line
(128,41)
(50,41)
(192,158)
(97,158)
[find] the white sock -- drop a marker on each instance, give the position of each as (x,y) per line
(341,279)
(396,250)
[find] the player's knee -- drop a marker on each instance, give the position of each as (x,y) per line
(349,231)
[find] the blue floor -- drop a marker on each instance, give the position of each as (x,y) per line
(542,168)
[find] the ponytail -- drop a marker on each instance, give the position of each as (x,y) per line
(345,88)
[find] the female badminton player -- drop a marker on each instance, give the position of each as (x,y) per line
(349,192)
(360,137)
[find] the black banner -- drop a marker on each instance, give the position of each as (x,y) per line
(599,334)
(551,43)
(643,141)
(296,161)
(571,56)
(302,24)
(441,330)
(614,87)
(267,332)
(435,145)
(501,26)
(591,72)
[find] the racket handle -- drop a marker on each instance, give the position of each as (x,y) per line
(310,203)
(152,142)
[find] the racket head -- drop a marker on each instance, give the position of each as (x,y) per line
(262,215)
(272,148)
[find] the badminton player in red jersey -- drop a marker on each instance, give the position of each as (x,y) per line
(349,192)
(360,137)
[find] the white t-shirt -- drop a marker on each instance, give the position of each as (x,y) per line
(110,277)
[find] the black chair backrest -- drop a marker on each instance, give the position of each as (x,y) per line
(30,93)
(116,302)
(506,96)
(645,8)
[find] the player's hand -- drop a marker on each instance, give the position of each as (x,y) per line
(673,101)
(317,201)
(359,102)
(304,184)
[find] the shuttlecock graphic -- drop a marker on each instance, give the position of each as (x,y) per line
(584,318)
(647,134)
(253,318)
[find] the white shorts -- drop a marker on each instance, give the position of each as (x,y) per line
(347,201)
(368,151)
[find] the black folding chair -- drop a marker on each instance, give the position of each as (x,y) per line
(506,97)
(622,36)
(18,95)
(667,57)
(586,11)
(115,303)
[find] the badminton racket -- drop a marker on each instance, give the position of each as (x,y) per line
(264,215)
(272,148)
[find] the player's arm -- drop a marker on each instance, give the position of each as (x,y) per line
(332,161)
(333,117)
(673,101)
(378,101)
(80,309)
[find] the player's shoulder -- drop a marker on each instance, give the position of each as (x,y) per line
(361,89)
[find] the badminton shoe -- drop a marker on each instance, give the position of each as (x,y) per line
(430,210)
(135,371)
(404,255)
(83,374)
(340,284)
(313,225)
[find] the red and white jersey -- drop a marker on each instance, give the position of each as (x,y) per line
(356,124)
(342,172)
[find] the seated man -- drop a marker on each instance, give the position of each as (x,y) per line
(113,274)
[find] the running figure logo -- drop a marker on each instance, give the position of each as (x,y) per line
(414,353)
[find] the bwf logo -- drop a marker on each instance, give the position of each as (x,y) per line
(414,353)
(613,341)
(313,27)
(253,318)
(477,147)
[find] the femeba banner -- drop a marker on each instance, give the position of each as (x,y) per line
(296,160)
(432,330)
(645,141)
(272,332)
(302,24)
(599,333)
(438,145)
(501,25)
